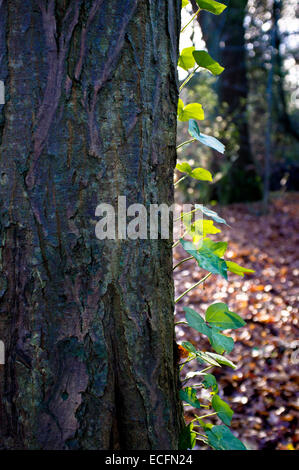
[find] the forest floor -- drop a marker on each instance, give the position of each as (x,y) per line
(264,389)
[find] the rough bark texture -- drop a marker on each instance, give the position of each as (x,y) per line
(90,114)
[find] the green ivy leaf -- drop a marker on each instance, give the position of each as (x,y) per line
(203,138)
(203,59)
(208,357)
(180,106)
(198,229)
(219,316)
(210,5)
(184,167)
(187,438)
(220,343)
(221,438)
(222,409)
(205,258)
(186,59)
(201,174)
(197,173)
(210,381)
(218,248)
(196,321)
(190,111)
(188,395)
(236,269)
(220,360)
(210,213)
(189,346)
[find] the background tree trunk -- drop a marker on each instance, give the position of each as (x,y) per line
(90,114)
(225,39)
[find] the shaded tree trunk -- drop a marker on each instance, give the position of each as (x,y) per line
(225,39)
(90,114)
(284,119)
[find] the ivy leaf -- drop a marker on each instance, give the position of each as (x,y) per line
(220,343)
(221,438)
(203,138)
(210,213)
(184,167)
(212,142)
(197,173)
(210,5)
(199,229)
(201,174)
(236,269)
(221,360)
(218,248)
(188,395)
(205,258)
(196,321)
(186,59)
(210,381)
(208,357)
(190,111)
(189,346)
(204,60)
(180,105)
(222,409)
(187,438)
(184,3)
(219,316)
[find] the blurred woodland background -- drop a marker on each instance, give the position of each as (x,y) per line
(253,108)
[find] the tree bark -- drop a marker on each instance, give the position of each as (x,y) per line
(90,114)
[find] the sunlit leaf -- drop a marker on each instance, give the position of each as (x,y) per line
(208,357)
(220,360)
(203,138)
(186,59)
(184,167)
(219,315)
(190,111)
(205,258)
(210,213)
(203,59)
(188,395)
(218,248)
(219,342)
(211,5)
(180,105)
(199,229)
(221,438)
(201,174)
(196,173)
(236,269)
(222,409)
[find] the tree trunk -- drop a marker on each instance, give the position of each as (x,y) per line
(284,119)
(90,114)
(225,39)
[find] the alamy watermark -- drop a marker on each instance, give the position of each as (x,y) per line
(153,222)
(2,353)
(2,92)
